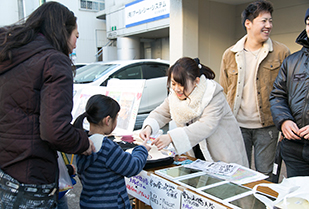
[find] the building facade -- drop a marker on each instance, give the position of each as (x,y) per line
(165,29)
(137,29)
(92,30)
(194,28)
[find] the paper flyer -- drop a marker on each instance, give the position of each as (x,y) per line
(228,171)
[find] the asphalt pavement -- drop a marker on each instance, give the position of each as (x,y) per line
(73,194)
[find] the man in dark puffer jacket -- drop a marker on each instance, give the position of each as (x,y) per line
(290,109)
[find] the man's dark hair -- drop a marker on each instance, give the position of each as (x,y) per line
(254,9)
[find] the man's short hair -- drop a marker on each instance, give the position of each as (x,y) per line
(254,9)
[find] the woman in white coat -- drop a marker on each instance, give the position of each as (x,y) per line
(206,128)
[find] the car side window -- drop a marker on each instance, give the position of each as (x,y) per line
(133,72)
(154,70)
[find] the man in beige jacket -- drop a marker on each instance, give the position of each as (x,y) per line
(248,70)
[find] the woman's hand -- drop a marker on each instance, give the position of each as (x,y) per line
(145,133)
(162,141)
(290,130)
(90,149)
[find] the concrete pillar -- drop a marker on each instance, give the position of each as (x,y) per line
(128,48)
(165,49)
(183,29)
(109,53)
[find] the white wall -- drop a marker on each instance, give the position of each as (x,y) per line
(219,27)
(203,29)
(198,28)
(115,17)
(176,30)
(89,28)
(7,16)
(9,13)
(216,32)
(92,30)
(165,48)
(288,21)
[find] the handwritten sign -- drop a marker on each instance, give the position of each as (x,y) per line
(219,168)
(138,186)
(163,194)
(191,200)
(228,171)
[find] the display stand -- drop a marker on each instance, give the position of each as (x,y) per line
(187,195)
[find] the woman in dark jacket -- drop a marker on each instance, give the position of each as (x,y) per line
(36,87)
(290,107)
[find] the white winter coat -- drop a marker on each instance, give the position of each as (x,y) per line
(205,119)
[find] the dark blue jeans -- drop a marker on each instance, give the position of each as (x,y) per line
(264,142)
(295,154)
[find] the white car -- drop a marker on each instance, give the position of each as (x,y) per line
(153,70)
(79,65)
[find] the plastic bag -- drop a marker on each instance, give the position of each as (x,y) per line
(65,182)
(288,190)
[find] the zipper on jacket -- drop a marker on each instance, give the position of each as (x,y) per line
(303,123)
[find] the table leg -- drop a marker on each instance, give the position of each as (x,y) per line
(139,204)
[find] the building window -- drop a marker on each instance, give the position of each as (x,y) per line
(93,5)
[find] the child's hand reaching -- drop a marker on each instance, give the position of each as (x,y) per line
(146,145)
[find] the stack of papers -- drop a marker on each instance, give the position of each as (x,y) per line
(228,171)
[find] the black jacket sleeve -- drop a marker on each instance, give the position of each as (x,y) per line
(279,102)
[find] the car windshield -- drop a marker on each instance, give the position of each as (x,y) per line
(91,72)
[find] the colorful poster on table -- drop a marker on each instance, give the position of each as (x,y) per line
(80,100)
(127,93)
(164,194)
(192,200)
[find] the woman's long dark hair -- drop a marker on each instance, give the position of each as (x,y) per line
(188,68)
(55,21)
(97,108)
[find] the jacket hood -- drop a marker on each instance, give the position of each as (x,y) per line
(302,39)
(84,161)
(23,53)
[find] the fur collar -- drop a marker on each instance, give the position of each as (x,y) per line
(184,111)
(240,45)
